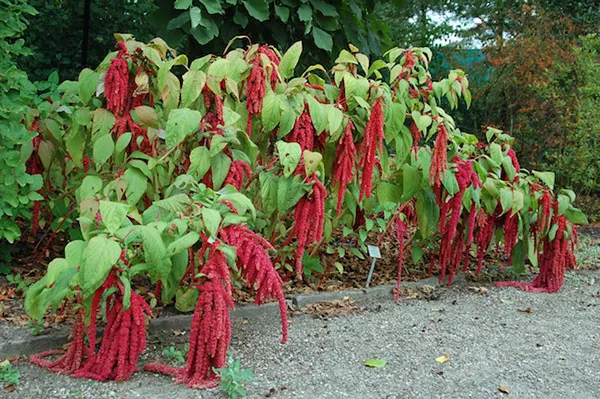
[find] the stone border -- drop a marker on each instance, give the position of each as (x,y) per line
(35,344)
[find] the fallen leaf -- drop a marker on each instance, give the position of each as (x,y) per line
(503,389)
(525,310)
(479,290)
(442,359)
(9,388)
(437,310)
(178,333)
(376,363)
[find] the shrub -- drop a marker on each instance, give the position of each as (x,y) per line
(191,174)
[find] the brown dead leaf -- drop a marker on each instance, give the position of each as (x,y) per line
(334,308)
(526,310)
(503,389)
(178,333)
(9,388)
(479,290)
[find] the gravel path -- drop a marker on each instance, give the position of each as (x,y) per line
(550,351)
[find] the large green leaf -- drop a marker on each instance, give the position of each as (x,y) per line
(289,156)
(103,150)
(258,9)
(182,123)
(87,85)
(100,255)
(113,214)
(193,83)
(271,111)
(290,60)
(155,253)
(212,220)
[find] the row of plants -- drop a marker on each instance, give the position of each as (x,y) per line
(194,176)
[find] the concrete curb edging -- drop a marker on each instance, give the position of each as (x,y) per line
(34,344)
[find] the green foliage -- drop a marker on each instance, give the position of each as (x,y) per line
(173,353)
(233,377)
(8,373)
(55,34)
(17,187)
(325,26)
(575,88)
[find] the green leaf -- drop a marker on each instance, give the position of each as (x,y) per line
(388,192)
(87,85)
(518,257)
(411,181)
(546,177)
(258,9)
(268,191)
(212,220)
(289,192)
(311,161)
(113,214)
(182,4)
(103,121)
(199,162)
(123,142)
(449,182)
(136,185)
(182,123)
(103,150)
(155,253)
(100,255)
(193,83)
(290,59)
(335,117)
(185,299)
(376,363)
(89,187)
(220,168)
(318,114)
(75,142)
(506,199)
(213,6)
(271,111)
(283,13)
(305,13)
(195,16)
(323,40)
(575,215)
(289,156)
(182,243)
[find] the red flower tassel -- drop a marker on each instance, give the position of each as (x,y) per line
(344,164)
(373,139)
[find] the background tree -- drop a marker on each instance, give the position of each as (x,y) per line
(56,34)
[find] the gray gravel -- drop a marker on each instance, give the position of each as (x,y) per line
(551,352)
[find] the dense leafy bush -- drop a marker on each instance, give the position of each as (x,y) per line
(187,174)
(18,185)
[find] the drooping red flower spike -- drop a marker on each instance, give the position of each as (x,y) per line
(303,132)
(343,165)
(116,86)
(236,173)
(438,159)
(308,220)
(123,341)
(257,268)
(557,255)
(71,360)
(210,330)
(373,140)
